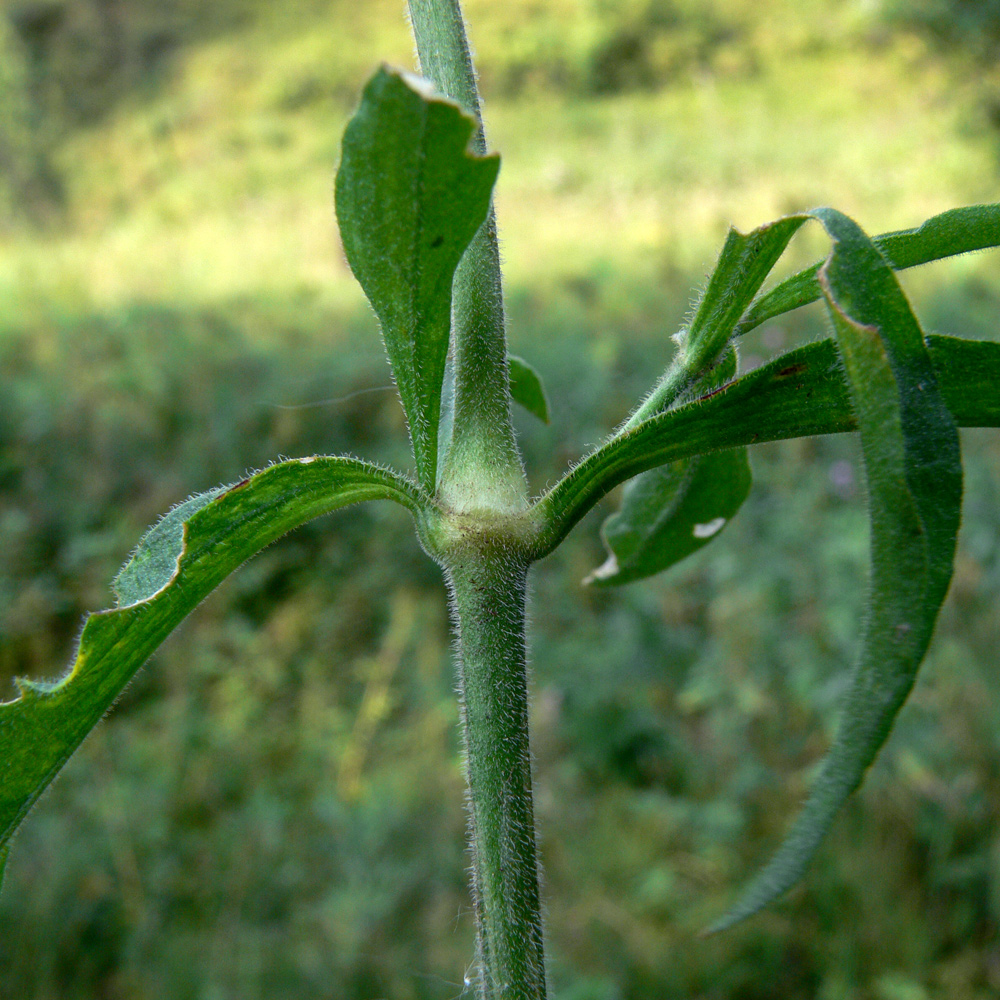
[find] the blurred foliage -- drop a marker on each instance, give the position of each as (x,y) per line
(967,34)
(85,63)
(88,54)
(973,25)
(28,183)
(275,807)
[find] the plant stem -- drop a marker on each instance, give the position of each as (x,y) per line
(676,379)
(488,599)
(482,466)
(443,49)
(487,578)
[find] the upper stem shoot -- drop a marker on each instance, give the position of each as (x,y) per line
(482,467)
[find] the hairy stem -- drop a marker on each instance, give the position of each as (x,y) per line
(488,600)
(677,378)
(482,474)
(443,49)
(482,466)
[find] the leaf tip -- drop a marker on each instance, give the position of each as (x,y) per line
(769,884)
(527,389)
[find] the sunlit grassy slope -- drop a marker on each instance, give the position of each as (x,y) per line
(217,184)
(275,807)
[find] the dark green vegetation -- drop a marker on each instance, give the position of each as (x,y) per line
(305,833)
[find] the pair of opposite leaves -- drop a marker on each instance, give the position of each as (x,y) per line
(907,436)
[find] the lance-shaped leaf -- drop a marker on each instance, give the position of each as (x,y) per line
(670,512)
(914,473)
(744,263)
(176,565)
(527,389)
(410,196)
(958,231)
(799,394)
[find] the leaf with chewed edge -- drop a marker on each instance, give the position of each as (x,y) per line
(410,195)
(176,565)
(913,468)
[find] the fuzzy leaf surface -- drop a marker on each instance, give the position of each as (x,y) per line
(527,389)
(410,196)
(799,394)
(958,231)
(914,473)
(743,264)
(745,261)
(670,512)
(178,562)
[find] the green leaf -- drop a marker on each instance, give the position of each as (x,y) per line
(410,196)
(672,511)
(968,373)
(526,388)
(176,565)
(154,562)
(913,467)
(800,394)
(958,231)
(744,263)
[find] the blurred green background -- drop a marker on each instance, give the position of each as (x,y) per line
(275,808)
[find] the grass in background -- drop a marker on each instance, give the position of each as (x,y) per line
(216,183)
(274,809)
